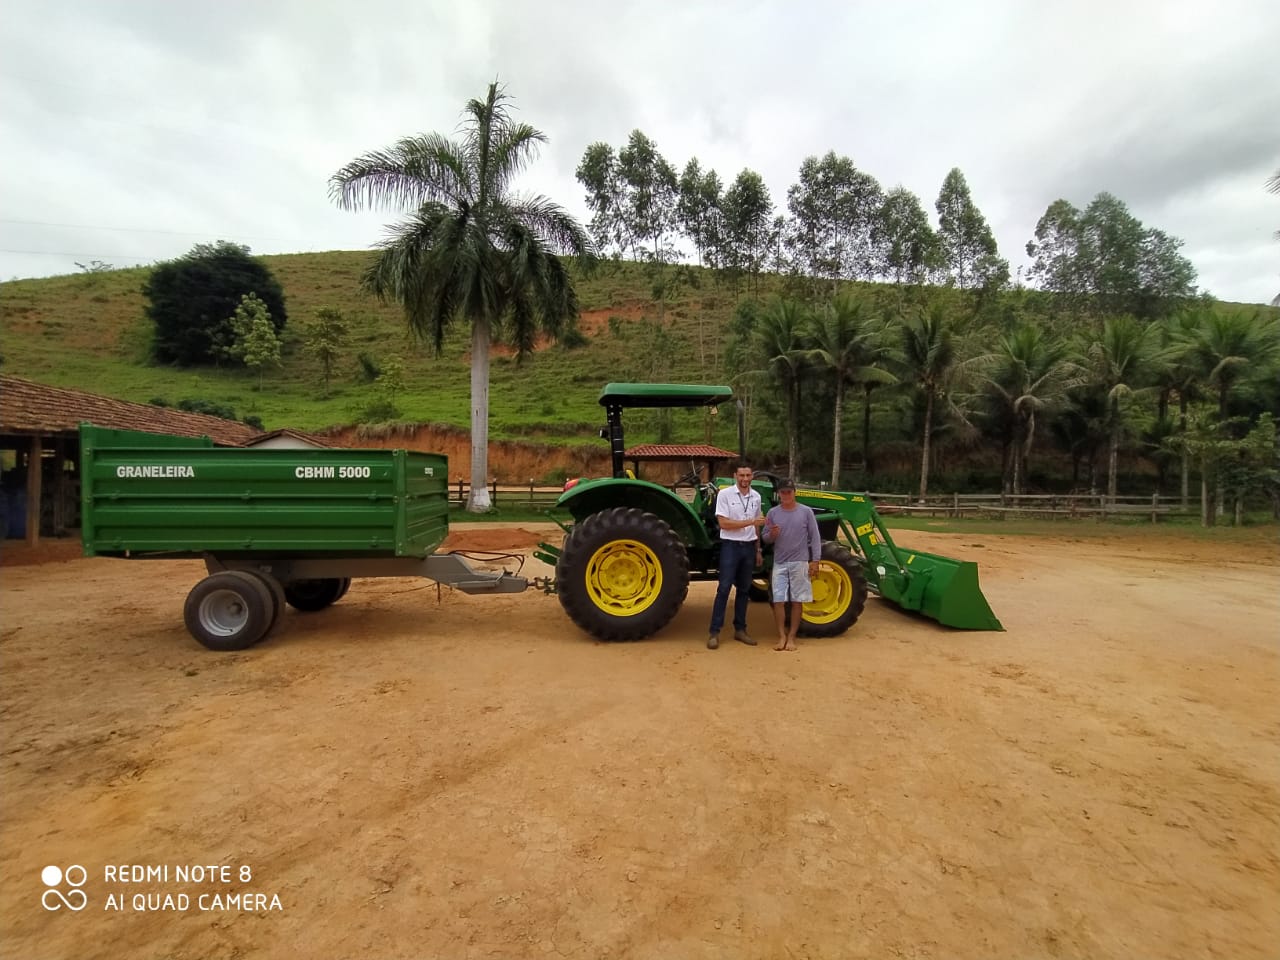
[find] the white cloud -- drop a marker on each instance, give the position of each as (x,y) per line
(161,124)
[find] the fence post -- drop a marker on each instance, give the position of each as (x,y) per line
(1155,503)
(955,504)
(493,494)
(462,497)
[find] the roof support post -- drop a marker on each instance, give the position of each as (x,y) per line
(33,491)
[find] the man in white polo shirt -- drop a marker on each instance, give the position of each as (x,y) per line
(738,514)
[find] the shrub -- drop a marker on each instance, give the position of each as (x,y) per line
(191,300)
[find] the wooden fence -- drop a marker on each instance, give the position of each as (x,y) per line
(531,496)
(528,495)
(1035,505)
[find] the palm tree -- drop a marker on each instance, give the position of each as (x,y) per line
(1227,347)
(930,361)
(1120,362)
(1032,371)
(469,248)
(780,343)
(1177,373)
(844,337)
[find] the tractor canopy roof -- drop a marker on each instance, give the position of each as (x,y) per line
(664,395)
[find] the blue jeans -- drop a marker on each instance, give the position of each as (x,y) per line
(737,561)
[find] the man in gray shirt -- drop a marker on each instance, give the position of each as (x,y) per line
(797,547)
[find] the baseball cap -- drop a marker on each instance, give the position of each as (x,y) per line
(787,484)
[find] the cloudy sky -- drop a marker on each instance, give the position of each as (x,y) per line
(133,129)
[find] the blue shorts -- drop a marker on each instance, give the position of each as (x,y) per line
(791,582)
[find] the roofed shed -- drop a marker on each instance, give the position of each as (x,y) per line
(41,424)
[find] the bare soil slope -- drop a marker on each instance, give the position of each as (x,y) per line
(423,775)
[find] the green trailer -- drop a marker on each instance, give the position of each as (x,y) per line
(275,527)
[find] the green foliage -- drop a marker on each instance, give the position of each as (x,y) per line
(699,211)
(370,369)
(470,248)
(326,336)
(632,196)
(966,245)
(256,343)
(835,216)
(213,408)
(390,382)
(905,245)
(748,218)
(1106,258)
(573,338)
(191,301)
(54,332)
(1238,458)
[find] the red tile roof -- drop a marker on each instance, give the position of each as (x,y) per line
(28,407)
(678,451)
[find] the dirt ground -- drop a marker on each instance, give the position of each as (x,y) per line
(421,775)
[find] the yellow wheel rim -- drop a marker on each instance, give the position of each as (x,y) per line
(832,594)
(624,578)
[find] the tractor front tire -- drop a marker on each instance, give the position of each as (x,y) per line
(839,594)
(622,574)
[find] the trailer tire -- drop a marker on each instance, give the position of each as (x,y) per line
(346,585)
(312,595)
(622,574)
(276,590)
(839,594)
(230,610)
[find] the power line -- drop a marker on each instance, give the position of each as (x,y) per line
(176,233)
(52,253)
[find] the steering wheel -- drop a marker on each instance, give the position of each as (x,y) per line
(690,479)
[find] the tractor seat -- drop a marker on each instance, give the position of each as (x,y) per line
(709,494)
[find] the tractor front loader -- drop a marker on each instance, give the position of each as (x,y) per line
(627,559)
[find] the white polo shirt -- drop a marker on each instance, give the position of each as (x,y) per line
(733,504)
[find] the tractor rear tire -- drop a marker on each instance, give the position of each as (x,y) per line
(839,594)
(622,574)
(312,595)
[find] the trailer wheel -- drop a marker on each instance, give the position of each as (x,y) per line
(346,585)
(231,610)
(275,589)
(622,574)
(839,594)
(311,595)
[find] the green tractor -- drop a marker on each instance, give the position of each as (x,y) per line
(634,546)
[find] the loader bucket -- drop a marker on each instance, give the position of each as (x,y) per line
(946,590)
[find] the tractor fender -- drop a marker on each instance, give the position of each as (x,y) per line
(592,496)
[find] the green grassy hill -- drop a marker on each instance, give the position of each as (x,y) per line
(89,331)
